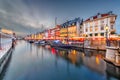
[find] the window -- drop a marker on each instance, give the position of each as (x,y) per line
(96,34)
(102,27)
(80,27)
(87,24)
(99,16)
(80,31)
(102,21)
(112,27)
(91,23)
(112,19)
(91,29)
(96,23)
(91,35)
(96,28)
(102,34)
(86,29)
(91,18)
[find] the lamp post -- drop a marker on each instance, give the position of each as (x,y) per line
(106,28)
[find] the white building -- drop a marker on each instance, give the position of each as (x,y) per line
(96,26)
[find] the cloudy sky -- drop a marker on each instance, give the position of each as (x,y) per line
(30,16)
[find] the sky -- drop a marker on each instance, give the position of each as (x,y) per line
(31,16)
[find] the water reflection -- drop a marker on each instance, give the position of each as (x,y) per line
(7,64)
(32,62)
(91,59)
(112,72)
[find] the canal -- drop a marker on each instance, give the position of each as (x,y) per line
(32,62)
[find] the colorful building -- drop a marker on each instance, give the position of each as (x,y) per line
(57,32)
(96,26)
(72,28)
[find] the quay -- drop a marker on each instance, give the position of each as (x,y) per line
(6,47)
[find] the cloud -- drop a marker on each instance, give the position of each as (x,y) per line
(22,17)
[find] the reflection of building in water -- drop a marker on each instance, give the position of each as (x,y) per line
(90,53)
(112,71)
(94,60)
(75,57)
(64,54)
(95,63)
(72,56)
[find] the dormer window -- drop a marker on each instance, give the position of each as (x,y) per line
(91,18)
(99,16)
(69,24)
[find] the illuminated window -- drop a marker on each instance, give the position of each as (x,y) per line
(91,29)
(96,28)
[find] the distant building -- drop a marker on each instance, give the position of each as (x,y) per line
(95,26)
(6,31)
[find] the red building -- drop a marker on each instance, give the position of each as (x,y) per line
(57,32)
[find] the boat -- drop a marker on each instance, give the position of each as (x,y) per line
(42,43)
(59,44)
(77,45)
(31,41)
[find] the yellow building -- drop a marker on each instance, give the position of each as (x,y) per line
(72,31)
(71,28)
(63,32)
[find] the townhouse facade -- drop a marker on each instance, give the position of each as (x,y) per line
(96,26)
(71,29)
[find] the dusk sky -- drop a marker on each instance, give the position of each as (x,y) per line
(28,16)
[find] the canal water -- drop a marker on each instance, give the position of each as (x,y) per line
(32,62)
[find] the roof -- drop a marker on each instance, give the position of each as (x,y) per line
(70,22)
(99,15)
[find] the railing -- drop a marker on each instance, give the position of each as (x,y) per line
(5,41)
(114,43)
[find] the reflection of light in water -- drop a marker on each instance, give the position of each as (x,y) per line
(97,60)
(47,46)
(83,54)
(53,51)
(74,51)
(73,56)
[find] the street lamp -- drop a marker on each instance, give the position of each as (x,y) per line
(107,43)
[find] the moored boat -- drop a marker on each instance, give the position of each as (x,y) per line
(59,44)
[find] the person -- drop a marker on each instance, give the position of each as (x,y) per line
(13,42)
